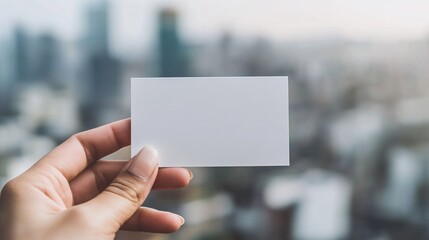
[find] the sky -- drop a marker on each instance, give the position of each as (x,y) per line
(134,21)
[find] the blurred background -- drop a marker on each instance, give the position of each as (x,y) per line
(359,91)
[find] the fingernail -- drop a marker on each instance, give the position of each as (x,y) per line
(191,175)
(181,219)
(143,164)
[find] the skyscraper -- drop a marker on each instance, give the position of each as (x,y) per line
(171,52)
(103,70)
(6,71)
(97,32)
(47,66)
(21,60)
(4,60)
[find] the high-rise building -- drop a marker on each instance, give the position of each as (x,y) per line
(47,67)
(21,60)
(3,60)
(258,60)
(97,32)
(171,52)
(103,71)
(5,79)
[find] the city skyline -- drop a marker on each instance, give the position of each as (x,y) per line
(356,108)
(203,20)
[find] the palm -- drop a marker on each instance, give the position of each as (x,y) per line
(72,173)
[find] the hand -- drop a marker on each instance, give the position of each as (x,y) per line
(68,194)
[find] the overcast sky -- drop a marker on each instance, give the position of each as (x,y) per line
(133,21)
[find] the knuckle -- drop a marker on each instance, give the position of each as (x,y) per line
(74,137)
(88,148)
(10,188)
(127,188)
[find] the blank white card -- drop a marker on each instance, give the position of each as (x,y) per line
(212,121)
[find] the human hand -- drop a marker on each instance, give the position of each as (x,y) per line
(68,194)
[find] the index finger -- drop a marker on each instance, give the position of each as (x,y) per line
(82,149)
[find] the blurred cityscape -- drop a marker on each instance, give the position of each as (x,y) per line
(359,131)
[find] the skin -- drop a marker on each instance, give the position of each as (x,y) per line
(71,194)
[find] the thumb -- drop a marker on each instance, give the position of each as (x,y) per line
(120,200)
